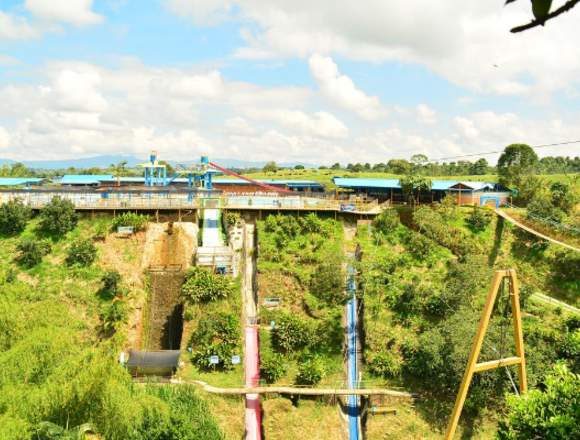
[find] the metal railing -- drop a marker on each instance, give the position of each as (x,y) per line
(151,201)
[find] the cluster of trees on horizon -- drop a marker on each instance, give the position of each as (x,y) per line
(417,164)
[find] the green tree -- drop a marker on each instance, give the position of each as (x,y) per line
(299,167)
(270,167)
(273,367)
(58,217)
(14,216)
(399,166)
(202,285)
(413,185)
(478,219)
(81,253)
(291,333)
(326,283)
(479,168)
(335,166)
(516,161)
(30,252)
(310,371)
(552,413)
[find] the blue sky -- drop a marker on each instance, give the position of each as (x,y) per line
(255,79)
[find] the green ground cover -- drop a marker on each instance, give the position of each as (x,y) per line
(300,263)
(424,283)
(59,373)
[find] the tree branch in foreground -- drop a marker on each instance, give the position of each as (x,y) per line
(564,8)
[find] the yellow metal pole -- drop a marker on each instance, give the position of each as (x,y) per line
(474,355)
(518,332)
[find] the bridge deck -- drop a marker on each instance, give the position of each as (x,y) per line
(172,202)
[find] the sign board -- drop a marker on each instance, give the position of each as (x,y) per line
(125,230)
(348,207)
(271,302)
(236,360)
(214,360)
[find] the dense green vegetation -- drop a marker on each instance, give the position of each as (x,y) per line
(14,215)
(61,330)
(300,263)
(551,413)
(424,282)
(130,219)
(202,285)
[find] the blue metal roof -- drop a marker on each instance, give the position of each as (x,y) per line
(358,182)
(436,185)
(18,181)
(289,183)
(86,179)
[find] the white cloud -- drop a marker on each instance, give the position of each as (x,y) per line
(341,90)
(76,12)
(320,124)
(466,41)
(16,28)
(4,138)
(426,115)
(202,12)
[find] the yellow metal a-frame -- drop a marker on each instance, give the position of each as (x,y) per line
(472,365)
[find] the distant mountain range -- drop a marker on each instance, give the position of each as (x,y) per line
(132,161)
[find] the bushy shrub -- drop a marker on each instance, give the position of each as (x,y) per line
(562,197)
(14,215)
(548,414)
(387,221)
(81,253)
(384,364)
(232,218)
(310,371)
(566,265)
(113,315)
(273,367)
(202,285)
(218,335)
(419,245)
(291,333)
(478,219)
(327,282)
(542,208)
(30,252)
(110,281)
(434,227)
(58,217)
(130,219)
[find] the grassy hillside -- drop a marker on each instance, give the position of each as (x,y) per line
(424,283)
(60,336)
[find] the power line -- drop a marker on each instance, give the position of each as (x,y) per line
(556,144)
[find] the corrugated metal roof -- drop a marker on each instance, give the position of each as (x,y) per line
(436,185)
(359,182)
(291,183)
(17,181)
(85,179)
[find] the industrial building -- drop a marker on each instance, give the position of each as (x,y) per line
(465,192)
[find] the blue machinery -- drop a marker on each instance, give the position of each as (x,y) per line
(155,172)
(352,368)
(200,176)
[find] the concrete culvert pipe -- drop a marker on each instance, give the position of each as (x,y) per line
(153,363)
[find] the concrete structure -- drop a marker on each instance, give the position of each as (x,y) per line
(465,192)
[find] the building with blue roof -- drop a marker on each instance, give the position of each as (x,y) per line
(466,192)
(20,181)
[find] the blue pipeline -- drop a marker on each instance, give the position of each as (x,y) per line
(351,323)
